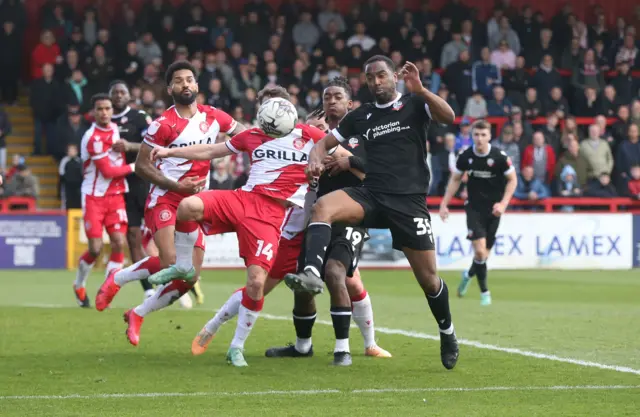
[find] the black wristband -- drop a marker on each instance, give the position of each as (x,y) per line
(356,163)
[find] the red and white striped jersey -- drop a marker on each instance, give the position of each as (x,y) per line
(278,164)
(95,149)
(171,130)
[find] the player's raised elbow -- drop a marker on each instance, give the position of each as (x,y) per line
(445,115)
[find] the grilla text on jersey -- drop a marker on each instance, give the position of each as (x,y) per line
(281,155)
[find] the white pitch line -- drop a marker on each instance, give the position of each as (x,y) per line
(419,335)
(317,392)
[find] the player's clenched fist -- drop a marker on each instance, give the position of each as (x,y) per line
(159,153)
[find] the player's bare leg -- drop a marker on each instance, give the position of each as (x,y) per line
(228,311)
(362,314)
(336,206)
(190,212)
(137,252)
(85,263)
(423,264)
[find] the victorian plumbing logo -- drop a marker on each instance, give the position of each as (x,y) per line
(384,130)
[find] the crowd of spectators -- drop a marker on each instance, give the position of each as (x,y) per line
(512,64)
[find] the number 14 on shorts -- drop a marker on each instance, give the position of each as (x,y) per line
(265,250)
(423,227)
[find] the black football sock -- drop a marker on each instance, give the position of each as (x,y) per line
(317,240)
(303,324)
(146,285)
(341,318)
(439,305)
(472,270)
(481,271)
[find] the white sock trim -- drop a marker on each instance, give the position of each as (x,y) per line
(447,331)
(439,292)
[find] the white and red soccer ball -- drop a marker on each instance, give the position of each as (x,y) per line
(277,117)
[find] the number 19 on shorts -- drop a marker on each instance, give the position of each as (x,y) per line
(423,227)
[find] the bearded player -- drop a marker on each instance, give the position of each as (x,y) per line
(103,189)
(172,179)
(258,212)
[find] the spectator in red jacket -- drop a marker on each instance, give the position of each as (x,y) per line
(541,157)
(46,52)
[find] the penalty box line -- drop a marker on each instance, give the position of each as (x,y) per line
(317,392)
(420,335)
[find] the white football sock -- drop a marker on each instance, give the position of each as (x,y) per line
(246,320)
(342,345)
(363,316)
(164,296)
(184,250)
(111,266)
(303,345)
(83,273)
(226,312)
(140,270)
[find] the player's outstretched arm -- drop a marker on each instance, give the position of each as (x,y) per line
(147,170)
(452,188)
(202,152)
(110,171)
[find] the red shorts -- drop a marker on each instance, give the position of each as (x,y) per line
(164,215)
(256,219)
(104,212)
(287,259)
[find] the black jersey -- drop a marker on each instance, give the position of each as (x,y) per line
(327,184)
(487,175)
(132,125)
(395,142)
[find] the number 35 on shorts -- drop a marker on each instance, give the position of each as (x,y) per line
(423,227)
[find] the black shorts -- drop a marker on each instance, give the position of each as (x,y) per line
(405,215)
(345,247)
(135,201)
(481,223)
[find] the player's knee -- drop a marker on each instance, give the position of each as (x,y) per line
(134,236)
(190,208)
(95,247)
(334,275)
(167,259)
(303,303)
(256,278)
(355,286)
(322,211)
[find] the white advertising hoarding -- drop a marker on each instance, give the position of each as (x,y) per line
(524,241)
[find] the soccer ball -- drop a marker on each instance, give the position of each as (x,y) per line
(277,117)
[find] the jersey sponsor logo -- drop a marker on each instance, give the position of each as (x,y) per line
(481,174)
(259,154)
(206,141)
(490,162)
(165,215)
(204,126)
(353,143)
(298,144)
(153,127)
(385,129)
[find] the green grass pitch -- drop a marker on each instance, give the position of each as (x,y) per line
(553,344)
